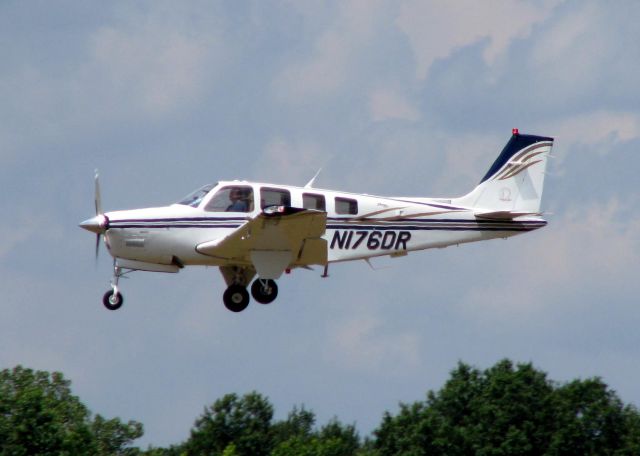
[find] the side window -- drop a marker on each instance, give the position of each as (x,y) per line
(274,197)
(234,198)
(346,206)
(311,201)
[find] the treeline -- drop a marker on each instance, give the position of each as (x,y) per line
(504,410)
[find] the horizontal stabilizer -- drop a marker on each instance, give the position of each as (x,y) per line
(503,215)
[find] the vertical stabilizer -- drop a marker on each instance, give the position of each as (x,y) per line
(514,182)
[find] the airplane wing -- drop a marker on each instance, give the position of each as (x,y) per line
(274,240)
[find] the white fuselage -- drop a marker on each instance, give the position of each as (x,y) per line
(358,226)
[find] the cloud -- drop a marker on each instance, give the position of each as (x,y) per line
(140,64)
(596,128)
(155,61)
(364,343)
(290,162)
(588,250)
(467,159)
(332,60)
(385,104)
(436,29)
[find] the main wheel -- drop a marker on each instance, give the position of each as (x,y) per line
(112,301)
(264,291)
(236,298)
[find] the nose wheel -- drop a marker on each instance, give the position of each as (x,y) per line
(112,300)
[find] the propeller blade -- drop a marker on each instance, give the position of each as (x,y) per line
(97,246)
(97,198)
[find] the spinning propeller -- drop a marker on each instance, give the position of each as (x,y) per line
(100,223)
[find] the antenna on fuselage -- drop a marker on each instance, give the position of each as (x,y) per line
(310,183)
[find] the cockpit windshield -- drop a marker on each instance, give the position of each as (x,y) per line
(194,198)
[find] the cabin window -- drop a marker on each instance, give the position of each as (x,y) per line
(234,198)
(346,206)
(274,197)
(312,201)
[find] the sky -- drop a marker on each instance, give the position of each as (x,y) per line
(404,97)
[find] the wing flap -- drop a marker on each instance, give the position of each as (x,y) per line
(273,240)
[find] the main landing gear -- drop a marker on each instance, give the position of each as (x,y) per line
(264,291)
(236,297)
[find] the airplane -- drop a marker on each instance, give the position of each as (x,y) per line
(262,230)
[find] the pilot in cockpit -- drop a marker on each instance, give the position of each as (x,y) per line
(238,197)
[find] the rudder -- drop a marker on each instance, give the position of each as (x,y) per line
(515,180)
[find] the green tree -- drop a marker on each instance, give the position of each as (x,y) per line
(39,415)
(244,422)
(333,439)
(112,436)
(509,410)
(592,420)
(298,426)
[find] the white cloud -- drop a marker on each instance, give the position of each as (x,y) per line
(154,62)
(596,127)
(385,104)
(572,52)
(293,163)
(363,343)
(585,249)
(467,159)
(137,66)
(329,66)
(435,29)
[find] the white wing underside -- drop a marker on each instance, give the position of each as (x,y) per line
(274,242)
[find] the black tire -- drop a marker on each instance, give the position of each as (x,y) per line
(111,301)
(236,298)
(264,291)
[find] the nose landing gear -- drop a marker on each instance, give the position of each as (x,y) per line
(113,299)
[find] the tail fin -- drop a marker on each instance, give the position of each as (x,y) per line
(513,184)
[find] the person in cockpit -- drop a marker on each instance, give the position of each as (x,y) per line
(238,198)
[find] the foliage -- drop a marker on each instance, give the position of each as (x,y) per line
(39,415)
(512,411)
(244,422)
(503,410)
(243,426)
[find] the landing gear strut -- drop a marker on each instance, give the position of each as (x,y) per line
(113,299)
(264,291)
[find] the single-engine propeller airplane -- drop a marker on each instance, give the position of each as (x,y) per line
(250,229)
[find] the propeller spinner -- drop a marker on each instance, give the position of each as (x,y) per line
(100,222)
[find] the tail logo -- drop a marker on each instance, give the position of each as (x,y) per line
(520,162)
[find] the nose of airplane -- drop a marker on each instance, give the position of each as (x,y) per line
(97,224)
